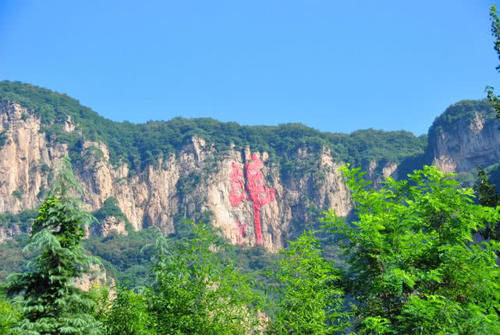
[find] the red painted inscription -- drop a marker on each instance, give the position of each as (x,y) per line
(256,190)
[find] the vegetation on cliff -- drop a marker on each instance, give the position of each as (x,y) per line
(22,220)
(142,144)
(459,114)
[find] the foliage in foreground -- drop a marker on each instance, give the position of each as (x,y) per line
(487,196)
(8,316)
(310,301)
(195,289)
(197,292)
(50,302)
(414,267)
(121,311)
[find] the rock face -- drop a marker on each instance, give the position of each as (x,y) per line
(468,142)
(244,193)
(198,182)
(26,159)
(97,277)
(7,233)
(377,174)
(244,202)
(108,225)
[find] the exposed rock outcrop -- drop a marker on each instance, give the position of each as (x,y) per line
(467,142)
(194,183)
(245,193)
(97,277)
(7,233)
(108,225)
(26,159)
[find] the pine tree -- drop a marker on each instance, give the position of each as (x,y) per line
(51,304)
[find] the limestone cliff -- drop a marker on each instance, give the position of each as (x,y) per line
(258,185)
(26,159)
(466,136)
(197,182)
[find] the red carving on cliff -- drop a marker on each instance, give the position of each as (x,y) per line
(240,227)
(257,192)
(237,186)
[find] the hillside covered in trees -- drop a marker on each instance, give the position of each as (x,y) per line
(403,241)
(142,144)
(413,268)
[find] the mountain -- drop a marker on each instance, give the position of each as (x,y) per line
(465,137)
(260,185)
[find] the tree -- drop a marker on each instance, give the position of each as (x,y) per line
(495,31)
(196,291)
(310,302)
(413,265)
(128,314)
(8,316)
(51,304)
(487,196)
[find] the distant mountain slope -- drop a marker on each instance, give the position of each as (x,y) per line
(140,144)
(465,136)
(258,184)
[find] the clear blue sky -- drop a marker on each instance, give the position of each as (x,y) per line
(332,65)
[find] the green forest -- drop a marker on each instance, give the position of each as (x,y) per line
(419,257)
(140,145)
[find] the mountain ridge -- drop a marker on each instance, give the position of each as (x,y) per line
(161,171)
(54,107)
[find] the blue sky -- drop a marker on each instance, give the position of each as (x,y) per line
(333,65)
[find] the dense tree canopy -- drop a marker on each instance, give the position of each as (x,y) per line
(414,267)
(198,292)
(142,144)
(309,298)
